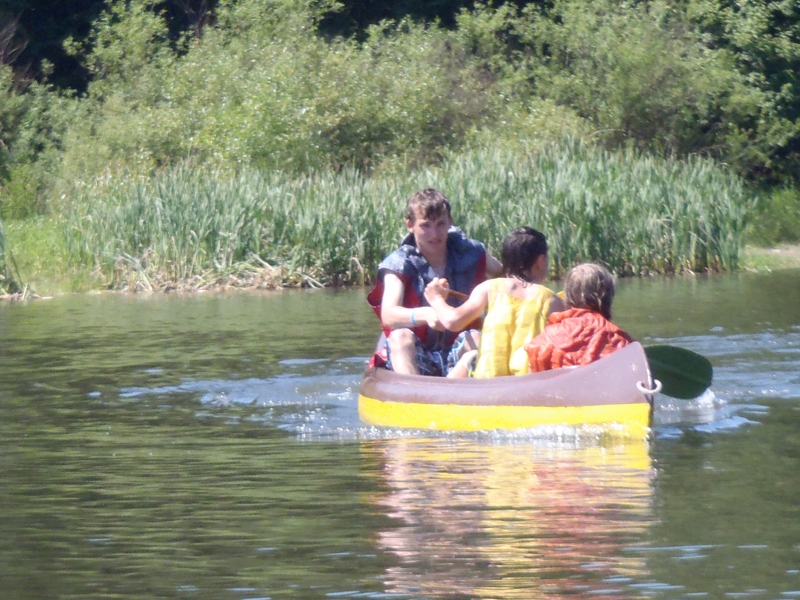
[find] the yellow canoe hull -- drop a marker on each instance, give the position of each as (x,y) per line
(610,392)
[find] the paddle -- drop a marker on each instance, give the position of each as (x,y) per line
(683,373)
(457,295)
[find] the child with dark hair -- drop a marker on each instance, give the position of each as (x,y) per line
(517,307)
(584,332)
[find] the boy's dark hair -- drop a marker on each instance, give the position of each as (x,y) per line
(428,203)
(590,286)
(521,248)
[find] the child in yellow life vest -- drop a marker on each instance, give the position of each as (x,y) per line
(517,307)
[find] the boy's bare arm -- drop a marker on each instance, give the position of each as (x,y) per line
(494,267)
(456,318)
(396,316)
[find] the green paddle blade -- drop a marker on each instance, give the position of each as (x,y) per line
(683,373)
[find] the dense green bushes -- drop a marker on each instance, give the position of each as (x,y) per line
(261,101)
(762,39)
(33,121)
(777,217)
(640,75)
(261,89)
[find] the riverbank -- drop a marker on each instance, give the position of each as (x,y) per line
(189,228)
(44,282)
(784,256)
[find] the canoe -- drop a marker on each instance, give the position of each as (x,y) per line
(615,392)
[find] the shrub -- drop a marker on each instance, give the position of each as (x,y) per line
(777,217)
(12,110)
(33,119)
(638,71)
(762,39)
(262,89)
(21,195)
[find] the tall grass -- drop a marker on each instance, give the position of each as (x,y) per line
(636,214)
(10,281)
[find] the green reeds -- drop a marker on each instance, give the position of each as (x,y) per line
(637,214)
(10,281)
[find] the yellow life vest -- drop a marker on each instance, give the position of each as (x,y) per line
(509,324)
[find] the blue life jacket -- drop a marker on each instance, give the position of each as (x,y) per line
(466,268)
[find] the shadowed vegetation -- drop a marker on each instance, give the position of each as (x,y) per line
(10,282)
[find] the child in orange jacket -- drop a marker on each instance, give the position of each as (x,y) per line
(584,332)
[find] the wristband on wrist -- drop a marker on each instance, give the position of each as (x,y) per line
(413,322)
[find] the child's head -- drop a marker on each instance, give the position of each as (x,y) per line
(590,286)
(522,248)
(429,204)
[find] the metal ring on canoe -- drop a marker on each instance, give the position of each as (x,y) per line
(656,387)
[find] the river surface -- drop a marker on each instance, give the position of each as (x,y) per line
(209,447)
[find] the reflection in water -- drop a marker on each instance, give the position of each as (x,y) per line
(208,447)
(509,521)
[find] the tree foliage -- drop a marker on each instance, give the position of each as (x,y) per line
(763,39)
(281,84)
(33,121)
(261,88)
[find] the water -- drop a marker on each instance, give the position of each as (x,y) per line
(209,447)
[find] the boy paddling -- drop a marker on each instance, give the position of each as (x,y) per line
(416,341)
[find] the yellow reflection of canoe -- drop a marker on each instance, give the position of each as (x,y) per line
(513,521)
(611,392)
